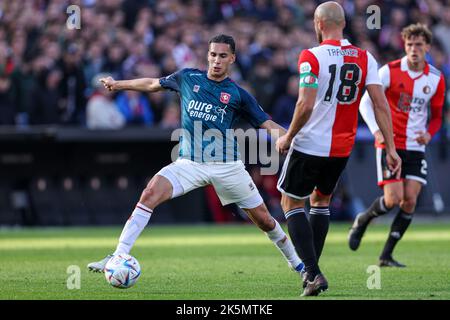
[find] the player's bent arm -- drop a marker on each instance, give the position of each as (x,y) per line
(436,106)
(382,114)
(366,111)
(142,84)
(273,128)
(384,121)
(303,110)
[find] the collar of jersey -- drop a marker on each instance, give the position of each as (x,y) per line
(333,42)
(214,81)
(404,67)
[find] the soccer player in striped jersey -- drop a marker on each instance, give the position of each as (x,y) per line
(321,136)
(410,85)
(211,103)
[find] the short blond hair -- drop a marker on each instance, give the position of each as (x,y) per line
(417,30)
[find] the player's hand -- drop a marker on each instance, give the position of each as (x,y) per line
(109,83)
(394,163)
(283,144)
(422,137)
(379,137)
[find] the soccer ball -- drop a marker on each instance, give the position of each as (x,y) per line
(122,271)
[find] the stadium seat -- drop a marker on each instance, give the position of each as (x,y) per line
(7,214)
(45,194)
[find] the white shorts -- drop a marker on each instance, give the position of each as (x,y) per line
(231,181)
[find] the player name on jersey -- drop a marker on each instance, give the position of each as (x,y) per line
(342,52)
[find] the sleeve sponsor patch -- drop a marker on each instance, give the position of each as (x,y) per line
(305,67)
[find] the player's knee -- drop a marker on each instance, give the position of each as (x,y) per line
(409,204)
(320,200)
(262,219)
(287,203)
(392,200)
(266,223)
(150,197)
(284,206)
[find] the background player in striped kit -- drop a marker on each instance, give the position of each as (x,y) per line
(410,84)
(321,135)
(209,100)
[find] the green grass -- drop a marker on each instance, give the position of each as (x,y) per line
(218,262)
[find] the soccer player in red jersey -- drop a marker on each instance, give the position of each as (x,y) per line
(322,133)
(410,85)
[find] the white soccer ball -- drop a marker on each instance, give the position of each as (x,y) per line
(122,271)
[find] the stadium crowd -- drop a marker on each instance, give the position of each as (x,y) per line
(49,73)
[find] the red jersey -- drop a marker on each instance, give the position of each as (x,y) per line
(339,71)
(410,94)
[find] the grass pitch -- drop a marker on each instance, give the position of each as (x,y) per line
(219,262)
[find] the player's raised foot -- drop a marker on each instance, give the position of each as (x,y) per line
(99,266)
(356,232)
(390,262)
(318,285)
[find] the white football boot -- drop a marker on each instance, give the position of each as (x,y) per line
(99,266)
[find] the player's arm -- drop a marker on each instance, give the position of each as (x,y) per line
(375,89)
(142,84)
(384,122)
(309,74)
(273,128)
(302,113)
(366,107)
(436,104)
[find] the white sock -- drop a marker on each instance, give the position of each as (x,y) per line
(133,228)
(284,244)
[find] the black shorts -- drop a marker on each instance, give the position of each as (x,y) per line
(302,173)
(414,167)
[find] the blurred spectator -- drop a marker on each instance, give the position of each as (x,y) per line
(281,72)
(47,103)
(102,111)
(260,79)
(114,58)
(171,116)
(73,85)
(7,109)
(95,61)
(442,30)
(285,105)
(135,108)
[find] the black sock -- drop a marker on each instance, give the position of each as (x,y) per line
(399,225)
(377,208)
(319,218)
(302,238)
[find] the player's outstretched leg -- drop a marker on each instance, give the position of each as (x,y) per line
(393,194)
(158,190)
(262,218)
(362,220)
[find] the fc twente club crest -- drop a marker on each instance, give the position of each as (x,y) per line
(225,97)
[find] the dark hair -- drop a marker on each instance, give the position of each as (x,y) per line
(223,38)
(417,30)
